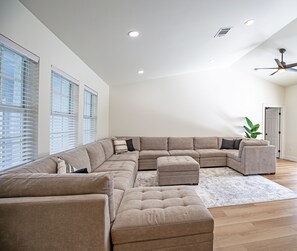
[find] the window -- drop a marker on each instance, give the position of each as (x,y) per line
(64,112)
(18,104)
(90,116)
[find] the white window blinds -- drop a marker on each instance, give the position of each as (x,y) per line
(18,104)
(64,112)
(90,116)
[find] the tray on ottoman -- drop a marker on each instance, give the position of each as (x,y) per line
(177,170)
(162,218)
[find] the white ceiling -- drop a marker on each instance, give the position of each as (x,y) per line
(264,55)
(175,36)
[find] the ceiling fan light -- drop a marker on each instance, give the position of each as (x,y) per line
(281,70)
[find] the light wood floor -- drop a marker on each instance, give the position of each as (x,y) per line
(261,226)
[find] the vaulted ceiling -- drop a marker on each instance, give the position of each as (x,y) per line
(175,36)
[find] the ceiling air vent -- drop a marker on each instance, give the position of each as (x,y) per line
(222,31)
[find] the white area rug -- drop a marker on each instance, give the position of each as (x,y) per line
(225,187)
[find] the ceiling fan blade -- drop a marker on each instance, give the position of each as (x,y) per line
(273,73)
(291,65)
(272,68)
(279,63)
(292,69)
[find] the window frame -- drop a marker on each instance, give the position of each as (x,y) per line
(64,139)
(18,122)
(91,116)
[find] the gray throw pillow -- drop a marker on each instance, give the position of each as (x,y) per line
(237,144)
(227,144)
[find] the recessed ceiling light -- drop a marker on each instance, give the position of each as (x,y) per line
(249,22)
(140,72)
(133,33)
(211,61)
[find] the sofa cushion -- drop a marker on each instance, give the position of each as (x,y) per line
(233,154)
(107,147)
(96,154)
(237,144)
(207,153)
(77,157)
(132,156)
(82,170)
(120,146)
(177,164)
(154,213)
(206,143)
(108,166)
(65,167)
(130,146)
(118,196)
(220,139)
(227,144)
(180,143)
(41,184)
(123,180)
(43,165)
(135,141)
(191,153)
(154,143)
(152,154)
(251,142)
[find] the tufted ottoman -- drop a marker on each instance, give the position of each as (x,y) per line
(162,218)
(177,170)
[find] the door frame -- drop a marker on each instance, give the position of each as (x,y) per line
(282,125)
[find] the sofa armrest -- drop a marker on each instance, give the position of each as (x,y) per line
(75,222)
(258,159)
(43,184)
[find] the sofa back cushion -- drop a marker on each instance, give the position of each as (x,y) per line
(180,143)
(43,165)
(251,142)
(77,157)
(154,143)
(206,143)
(107,147)
(96,154)
(41,184)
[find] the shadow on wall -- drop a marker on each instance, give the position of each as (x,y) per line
(189,105)
(233,125)
(161,123)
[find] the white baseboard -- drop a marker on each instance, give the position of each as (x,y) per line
(290,157)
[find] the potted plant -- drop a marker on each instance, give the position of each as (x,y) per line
(251,131)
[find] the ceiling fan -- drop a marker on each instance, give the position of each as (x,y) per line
(281,65)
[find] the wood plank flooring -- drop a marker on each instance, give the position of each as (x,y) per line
(268,226)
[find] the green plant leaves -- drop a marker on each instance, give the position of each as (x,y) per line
(247,129)
(255,134)
(255,128)
(251,132)
(249,122)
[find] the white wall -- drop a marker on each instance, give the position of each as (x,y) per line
(291,123)
(199,104)
(21,26)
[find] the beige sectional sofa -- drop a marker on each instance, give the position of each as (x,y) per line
(42,210)
(252,157)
